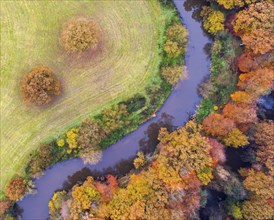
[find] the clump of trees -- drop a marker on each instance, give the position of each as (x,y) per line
(80,34)
(39,86)
(230,4)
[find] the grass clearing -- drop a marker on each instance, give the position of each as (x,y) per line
(128,60)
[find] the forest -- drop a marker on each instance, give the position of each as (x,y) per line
(218,164)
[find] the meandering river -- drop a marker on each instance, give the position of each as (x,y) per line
(175,112)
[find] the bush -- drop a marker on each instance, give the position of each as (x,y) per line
(79,35)
(39,86)
(206,107)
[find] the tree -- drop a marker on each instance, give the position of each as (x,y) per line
(177,33)
(258,81)
(255,26)
(257,208)
(243,97)
(240,113)
(72,135)
(213,21)
(16,188)
(115,118)
(265,156)
(108,189)
(173,49)
(90,134)
(173,73)
(140,160)
(217,151)
(4,207)
(79,35)
(41,160)
(85,194)
(259,184)
(230,4)
(235,138)
(216,124)
(264,133)
(39,86)
(55,204)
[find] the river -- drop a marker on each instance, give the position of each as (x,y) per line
(117,158)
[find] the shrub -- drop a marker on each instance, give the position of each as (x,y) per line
(72,135)
(206,107)
(135,103)
(79,35)
(177,33)
(173,74)
(16,188)
(39,86)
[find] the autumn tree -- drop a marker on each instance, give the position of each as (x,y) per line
(80,34)
(240,113)
(176,42)
(257,208)
(265,156)
(217,125)
(115,117)
(4,207)
(16,188)
(39,86)
(264,133)
(91,156)
(188,146)
(41,160)
(213,21)
(259,81)
(243,97)
(55,204)
(108,189)
(140,160)
(235,138)
(255,26)
(173,73)
(217,151)
(90,134)
(230,4)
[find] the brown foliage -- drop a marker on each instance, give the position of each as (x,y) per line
(255,26)
(41,160)
(90,134)
(265,156)
(240,113)
(39,86)
(4,207)
(216,124)
(264,135)
(259,81)
(80,34)
(16,188)
(173,73)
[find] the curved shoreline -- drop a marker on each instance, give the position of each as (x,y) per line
(180,103)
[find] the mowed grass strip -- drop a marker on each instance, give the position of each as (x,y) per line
(127,60)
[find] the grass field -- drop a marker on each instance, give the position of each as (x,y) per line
(126,62)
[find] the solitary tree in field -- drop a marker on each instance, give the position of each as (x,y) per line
(39,86)
(79,35)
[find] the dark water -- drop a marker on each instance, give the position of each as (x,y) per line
(118,157)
